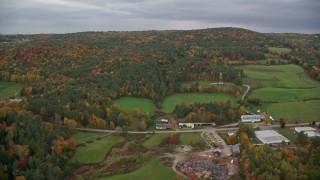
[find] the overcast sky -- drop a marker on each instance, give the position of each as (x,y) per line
(64,16)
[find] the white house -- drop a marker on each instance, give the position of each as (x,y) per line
(251,118)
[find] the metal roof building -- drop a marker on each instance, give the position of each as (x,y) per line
(251,118)
(299,129)
(270,137)
(309,131)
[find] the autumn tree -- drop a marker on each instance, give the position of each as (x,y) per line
(266,119)
(143,125)
(242,110)
(282,122)
(220,77)
(231,140)
(111,125)
(302,139)
(244,139)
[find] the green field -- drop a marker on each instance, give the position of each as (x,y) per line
(315,104)
(286,86)
(204,84)
(154,140)
(185,139)
(288,133)
(8,89)
(292,76)
(293,111)
(131,103)
(151,171)
(96,151)
(86,136)
(279,50)
(270,94)
(170,102)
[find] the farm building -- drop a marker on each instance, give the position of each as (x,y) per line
(309,131)
(270,137)
(251,118)
(235,149)
(164,120)
(192,125)
(162,126)
(231,133)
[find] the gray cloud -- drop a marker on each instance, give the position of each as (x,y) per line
(61,16)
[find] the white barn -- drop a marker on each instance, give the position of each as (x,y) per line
(251,118)
(270,137)
(309,131)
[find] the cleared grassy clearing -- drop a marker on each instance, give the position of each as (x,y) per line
(185,139)
(171,101)
(96,151)
(204,84)
(8,89)
(292,76)
(315,104)
(131,103)
(270,94)
(154,140)
(151,171)
(293,111)
(86,136)
(279,50)
(288,133)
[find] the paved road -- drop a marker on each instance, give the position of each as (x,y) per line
(244,94)
(248,88)
(179,131)
(156,132)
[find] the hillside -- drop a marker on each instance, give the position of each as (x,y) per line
(129,81)
(78,75)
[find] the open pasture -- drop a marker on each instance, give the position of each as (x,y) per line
(95,151)
(170,102)
(131,103)
(291,75)
(298,111)
(185,139)
(270,94)
(152,171)
(279,50)
(8,89)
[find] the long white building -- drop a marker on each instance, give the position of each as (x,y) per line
(270,137)
(251,118)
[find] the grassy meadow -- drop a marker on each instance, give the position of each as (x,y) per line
(286,91)
(293,111)
(288,133)
(95,151)
(270,94)
(279,50)
(8,89)
(131,103)
(185,139)
(170,102)
(290,76)
(86,136)
(151,171)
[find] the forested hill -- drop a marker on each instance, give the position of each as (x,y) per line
(77,75)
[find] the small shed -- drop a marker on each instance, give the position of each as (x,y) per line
(161,126)
(235,149)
